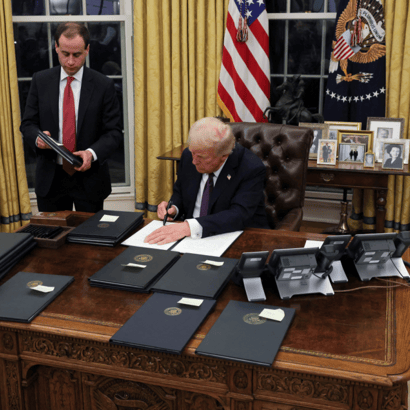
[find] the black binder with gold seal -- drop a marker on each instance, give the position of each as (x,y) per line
(134,269)
(197,276)
(106,227)
(60,149)
(162,324)
(240,334)
(20,302)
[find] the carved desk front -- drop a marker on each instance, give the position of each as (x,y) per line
(347,351)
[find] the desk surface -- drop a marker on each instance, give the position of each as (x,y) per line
(360,336)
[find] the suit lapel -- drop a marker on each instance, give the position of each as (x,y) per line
(54,96)
(87,88)
(226,176)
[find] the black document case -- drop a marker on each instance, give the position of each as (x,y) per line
(20,303)
(162,324)
(115,275)
(95,230)
(13,247)
(61,150)
(191,277)
(239,335)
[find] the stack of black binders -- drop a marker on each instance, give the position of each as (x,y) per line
(13,247)
(106,228)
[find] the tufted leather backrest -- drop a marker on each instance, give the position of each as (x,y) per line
(284,149)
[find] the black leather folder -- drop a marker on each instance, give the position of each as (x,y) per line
(115,275)
(74,160)
(95,231)
(20,303)
(13,247)
(191,277)
(162,324)
(240,335)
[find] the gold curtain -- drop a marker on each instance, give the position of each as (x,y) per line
(14,198)
(177,56)
(397,15)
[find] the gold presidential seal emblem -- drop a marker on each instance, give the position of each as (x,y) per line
(34,283)
(173,311)
(253,319)
(203,266)
(143,258)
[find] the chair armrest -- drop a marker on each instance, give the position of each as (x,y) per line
(292,221)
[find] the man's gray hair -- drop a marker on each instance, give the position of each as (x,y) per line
(211,132)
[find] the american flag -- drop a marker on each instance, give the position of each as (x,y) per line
(244,81)
(342,50)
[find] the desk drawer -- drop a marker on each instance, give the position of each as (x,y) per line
(346,179)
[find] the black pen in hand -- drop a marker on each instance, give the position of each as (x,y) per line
(166,215)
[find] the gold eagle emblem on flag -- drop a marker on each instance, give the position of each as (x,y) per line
(368,16)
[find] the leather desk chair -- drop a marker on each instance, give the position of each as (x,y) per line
(284,149)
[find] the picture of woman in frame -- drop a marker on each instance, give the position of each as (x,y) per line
(393,156)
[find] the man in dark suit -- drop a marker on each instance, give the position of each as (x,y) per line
(96,126)
(235,202)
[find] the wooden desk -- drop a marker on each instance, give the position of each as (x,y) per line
(341,175)
(347,351)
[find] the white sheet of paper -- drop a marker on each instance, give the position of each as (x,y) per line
(134,265)
(109,218)
(211,246)
(191,302)
(213,263)
(313,244)
(273,314)
(138,238)
(44,289)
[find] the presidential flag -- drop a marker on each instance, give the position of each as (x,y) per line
(357,70)
(244,81)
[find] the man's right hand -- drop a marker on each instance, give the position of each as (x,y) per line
(162,210)
(41,144)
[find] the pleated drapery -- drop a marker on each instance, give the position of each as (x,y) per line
(177,57)
(398,104)
(15,206)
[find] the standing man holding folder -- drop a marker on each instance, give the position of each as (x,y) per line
(219,187)
(77,107)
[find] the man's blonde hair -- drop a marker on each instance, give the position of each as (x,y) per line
(210,132)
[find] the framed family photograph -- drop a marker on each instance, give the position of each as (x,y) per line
(384,129)
(393,155)
(356,137)
(379,148)
(352,153)
(326,153)
(320,131)
(368,160)
(335,126)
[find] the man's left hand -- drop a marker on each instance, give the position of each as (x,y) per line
(87,157)
(169,233)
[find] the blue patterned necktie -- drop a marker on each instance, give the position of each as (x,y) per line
(207,194)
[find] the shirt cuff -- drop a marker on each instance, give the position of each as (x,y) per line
(92,152)
(196,228)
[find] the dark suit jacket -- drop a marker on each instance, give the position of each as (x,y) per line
(237,199)
(396,164)
(98,127)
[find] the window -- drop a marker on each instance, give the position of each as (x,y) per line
(110,26)
(301,34)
